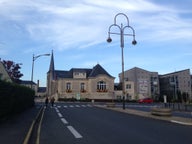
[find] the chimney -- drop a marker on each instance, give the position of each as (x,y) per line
(37,84)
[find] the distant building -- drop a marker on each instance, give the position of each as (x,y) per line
(41,92)
(176,86)
(140,83)
(3,73)
(80,83)
(29,84)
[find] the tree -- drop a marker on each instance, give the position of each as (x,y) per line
(12,69)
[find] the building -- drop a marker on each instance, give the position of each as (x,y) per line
(80,83)
(176,86)
(3,73)
(29,84)
(140,83)
(41,92)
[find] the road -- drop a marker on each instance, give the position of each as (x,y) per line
(82,123)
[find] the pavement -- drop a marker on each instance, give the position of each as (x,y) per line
(15,129)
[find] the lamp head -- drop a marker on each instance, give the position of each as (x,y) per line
(109,40)
(134,42)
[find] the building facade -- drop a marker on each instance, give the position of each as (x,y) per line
(3,73)
(176,86)
(140,83)
(80,83)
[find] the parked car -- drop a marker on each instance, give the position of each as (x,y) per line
(145,100)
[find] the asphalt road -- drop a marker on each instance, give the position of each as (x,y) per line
(82,123)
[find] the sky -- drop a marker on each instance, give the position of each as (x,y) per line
(76,32)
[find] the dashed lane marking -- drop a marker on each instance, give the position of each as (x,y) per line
(74,132)
(59,114)
(64,120)
(71,129)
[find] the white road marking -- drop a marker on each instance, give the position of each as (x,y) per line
(74,132)
(89,105)
(65,106)
(182,123)
(77,106)
(64,120)
(59,114)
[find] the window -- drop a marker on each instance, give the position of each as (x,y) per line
(82,86)
(68,86)
(101,86)
(128,86)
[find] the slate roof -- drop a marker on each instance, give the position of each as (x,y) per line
(97,70)
(27,82)
(41,89)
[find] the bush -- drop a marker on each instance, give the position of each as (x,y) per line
(14,98)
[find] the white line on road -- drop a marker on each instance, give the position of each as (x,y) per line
(74,132)
(64,120)
(179,122)
(59,114)
(57,110)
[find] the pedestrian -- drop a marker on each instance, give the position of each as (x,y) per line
(52,101)
(46,101)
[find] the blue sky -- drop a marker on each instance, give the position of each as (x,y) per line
(76,31)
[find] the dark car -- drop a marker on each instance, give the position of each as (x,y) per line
(145,100)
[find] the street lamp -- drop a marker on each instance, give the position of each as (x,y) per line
(34,58)
(122,34)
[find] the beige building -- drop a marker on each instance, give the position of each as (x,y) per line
(140,83)
(80,83)
(3,73)
(176,85)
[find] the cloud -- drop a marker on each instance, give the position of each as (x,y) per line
(84,23)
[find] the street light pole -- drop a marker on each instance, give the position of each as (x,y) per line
(34,58)
(122,34)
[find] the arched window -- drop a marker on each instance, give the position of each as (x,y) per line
(101,86)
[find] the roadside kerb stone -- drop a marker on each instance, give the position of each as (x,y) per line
(174,119)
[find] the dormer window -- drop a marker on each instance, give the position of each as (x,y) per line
(79,75)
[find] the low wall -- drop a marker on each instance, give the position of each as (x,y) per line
(161,111)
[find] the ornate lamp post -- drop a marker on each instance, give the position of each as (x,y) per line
(122,34)
(34,58)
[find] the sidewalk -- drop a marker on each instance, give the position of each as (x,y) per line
(173,118)
(14,130)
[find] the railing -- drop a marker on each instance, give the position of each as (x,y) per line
(179,106)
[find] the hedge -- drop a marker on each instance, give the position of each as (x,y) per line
(14,98)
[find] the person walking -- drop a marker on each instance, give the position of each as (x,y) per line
(46,101)
(52,101)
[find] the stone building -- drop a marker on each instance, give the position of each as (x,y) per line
(140,83)
(80,83)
